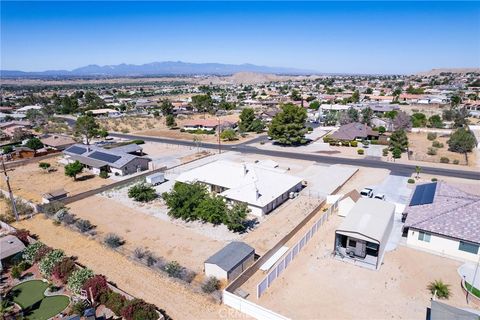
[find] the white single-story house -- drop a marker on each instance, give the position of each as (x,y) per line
(230,261)
(106,112)
(119,161)
(260,187)
(445,220)
(208,125)
(363,235)
(25,109)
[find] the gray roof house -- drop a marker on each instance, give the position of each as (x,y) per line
(354,130)
(444,219)
(10,246)
(119,161)
(230,261)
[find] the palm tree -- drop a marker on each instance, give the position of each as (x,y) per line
(5,308)
(439,289)
(418,169)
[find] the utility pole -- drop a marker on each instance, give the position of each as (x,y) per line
(219,142)
(7,180)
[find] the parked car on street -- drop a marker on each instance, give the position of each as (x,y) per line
(379,196)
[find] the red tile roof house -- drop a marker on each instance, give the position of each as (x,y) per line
(208,125)
(445,222)
(354,130)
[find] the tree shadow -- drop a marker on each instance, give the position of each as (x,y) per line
(86,177)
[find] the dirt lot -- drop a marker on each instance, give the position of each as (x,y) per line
(30,182)
(419,144)
(137,280)
(335,289)
(164,238)
(156,127)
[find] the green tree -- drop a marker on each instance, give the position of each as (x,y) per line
(396,153)
(460,117)
(203,103)
(367,115)
(455,101)
(224,105)
(236,217)
(391,114)
(419,120)
(418,170)
(399,140)
(73,169)
(166,107)
(170,121)
(103,133)
(296,95)
(439,288)
(86,127)
(355,96)
(381,129)
(228,135)
(34,143)
(246,119)
(435,121)
(288,126)
(462,141)
(315,105)
(369,91)
(142,192)
(183,200)
(212,209)
(353,115)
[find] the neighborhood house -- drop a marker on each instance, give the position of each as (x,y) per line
(262,188)
(120,161)
(445,220)
(353,131)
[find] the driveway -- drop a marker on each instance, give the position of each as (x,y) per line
(395,188)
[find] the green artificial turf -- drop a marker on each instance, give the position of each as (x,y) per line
(472,290)
(29,296)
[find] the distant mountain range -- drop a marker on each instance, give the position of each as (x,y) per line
(156,69)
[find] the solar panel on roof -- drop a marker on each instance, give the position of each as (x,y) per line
(110,158)
(76,150)
(423,194)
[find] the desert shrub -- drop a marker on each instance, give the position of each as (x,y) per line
(228,135)
(44,165)
(23,208)
(139,253)
(115,302)
(113,241)
(456,161)
(78,308)
(96,286)
(431,136)
(210,285)
(77,279)
(35,252)
(137,141)
(360,151)
(353,143)
(444,160)
(103,174)
(16,272)
(434,179)
(51,259)
(138,309)
(68,218)
(411,180)
(437,144)
(51,208)
(374,142)
(173,269)
(60,215)
(83,225)
(63,269)
(142,192)
(385,152)
(439,288)
(431,151)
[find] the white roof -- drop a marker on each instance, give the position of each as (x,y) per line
(368,220)
(26,108)
(273,259)
(102,111)
(250,183)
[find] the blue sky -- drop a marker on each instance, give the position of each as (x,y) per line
(353,37)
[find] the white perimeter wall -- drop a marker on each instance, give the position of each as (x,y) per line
(440,245)
(249,308)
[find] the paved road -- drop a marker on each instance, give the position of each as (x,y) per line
(395,168)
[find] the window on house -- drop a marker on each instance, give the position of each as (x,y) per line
(352,243)
(423,236)
(468,247)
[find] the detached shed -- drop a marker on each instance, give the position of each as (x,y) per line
(230,262)
(363,235)
(9,246)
